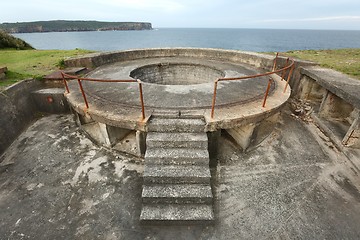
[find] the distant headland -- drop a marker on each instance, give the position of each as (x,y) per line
(72,26)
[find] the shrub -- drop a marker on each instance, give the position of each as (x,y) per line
(9,41)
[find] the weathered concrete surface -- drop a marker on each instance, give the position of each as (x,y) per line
(295,185)
(51,100)
(338,83)
(176,73)
(17,110)
(59,183)
(295,82)
(181,171)
(256,59)
(118,104)
(236,101)
(335,100)
(193,91)
(97,59)
(242,135)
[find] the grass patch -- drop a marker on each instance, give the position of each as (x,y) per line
(342,60)
(11,78)
(24,64)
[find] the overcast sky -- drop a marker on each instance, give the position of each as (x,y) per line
(297,14)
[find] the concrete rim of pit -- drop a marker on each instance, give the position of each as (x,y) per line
(226,115)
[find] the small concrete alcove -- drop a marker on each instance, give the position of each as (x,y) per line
(311,91)
(336,104)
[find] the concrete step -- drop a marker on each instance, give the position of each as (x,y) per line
(177,213)
(166,114)
(177,156)
(177,193)
(176,177)
(176,125)
(176,174)
(176,140)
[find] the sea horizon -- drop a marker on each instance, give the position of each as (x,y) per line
(234,28)
(249,28)
(247,39)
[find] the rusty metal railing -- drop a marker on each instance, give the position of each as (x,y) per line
(288,68)
(80,79)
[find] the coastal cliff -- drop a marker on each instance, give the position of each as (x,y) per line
(72,26)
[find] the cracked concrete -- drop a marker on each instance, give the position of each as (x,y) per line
(294,185)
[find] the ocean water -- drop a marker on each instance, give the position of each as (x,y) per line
(258,40)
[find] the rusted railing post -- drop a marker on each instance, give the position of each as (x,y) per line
(284,72)
(275,62)
(141,99)
(83,93)
(281,71)
(65,83)
(214,99)
(289,76)
(267,91)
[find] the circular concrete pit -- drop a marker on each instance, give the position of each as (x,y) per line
(176,73)
(177,80)
(184,81)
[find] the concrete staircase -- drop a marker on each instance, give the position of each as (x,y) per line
(177,176)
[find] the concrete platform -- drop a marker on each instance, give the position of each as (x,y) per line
(295,185)
(118,104)
(184,94)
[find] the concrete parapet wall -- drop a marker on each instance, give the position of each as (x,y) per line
(258,60)
(336,102)
(98,59)
(20,104)
(342,85)
(17,111)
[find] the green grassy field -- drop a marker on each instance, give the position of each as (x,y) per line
(342,60)
(24,64)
